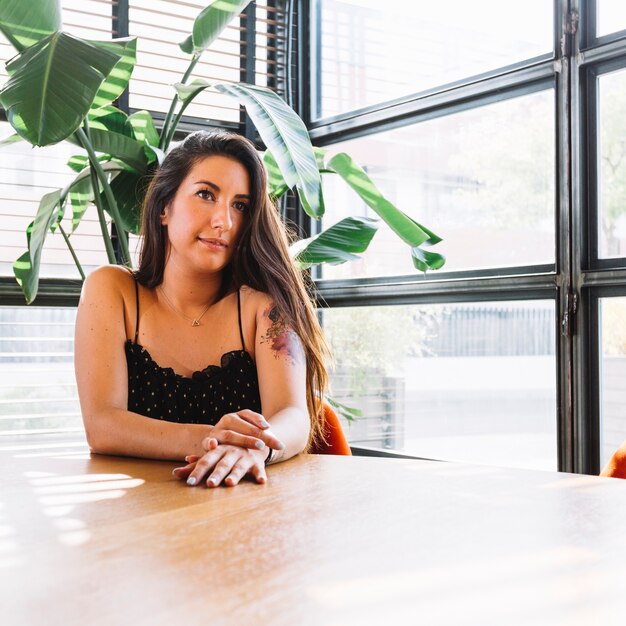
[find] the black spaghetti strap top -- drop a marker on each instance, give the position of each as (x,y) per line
(203,398)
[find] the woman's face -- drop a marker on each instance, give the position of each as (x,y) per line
(205,217)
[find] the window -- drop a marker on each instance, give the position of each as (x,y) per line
(612,165)
(471,382)
(612,376)
(483,179)
(38,390)
(160,26)
(368,52)
(505,138)
(611,16)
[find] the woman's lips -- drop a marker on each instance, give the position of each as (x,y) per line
(214,244)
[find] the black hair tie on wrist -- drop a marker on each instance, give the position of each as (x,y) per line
(268,458)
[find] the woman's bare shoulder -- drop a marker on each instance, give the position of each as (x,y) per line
(108,281)
(255,300)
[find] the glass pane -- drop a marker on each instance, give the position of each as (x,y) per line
(611,16)
(482,179)
(270,59)
(27,174)
(160,25)
(612,376)
(37,385)
(369,52)
(612,165)
(468,382)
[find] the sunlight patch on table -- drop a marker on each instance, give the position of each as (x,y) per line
(396,587)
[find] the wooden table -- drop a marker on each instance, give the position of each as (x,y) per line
(328,541)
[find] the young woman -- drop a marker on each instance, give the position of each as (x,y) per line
(211,351)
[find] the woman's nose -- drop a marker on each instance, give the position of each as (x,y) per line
(222,218)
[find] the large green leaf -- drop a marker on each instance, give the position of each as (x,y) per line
(80,190)
(128,189)
(78,162)
(80,194)
(144,129)
(118,78)
(146,133)
(276,185)
(24,24)
(52,87)
(113,119)
(340,243)
(187,92)
(120,146)
(275,181)
(210,22)
(404,226)
(26,268)
(286,136)
(424,260)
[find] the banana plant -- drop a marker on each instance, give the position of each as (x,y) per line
(61,88)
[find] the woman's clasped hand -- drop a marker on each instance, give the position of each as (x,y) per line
(238,445)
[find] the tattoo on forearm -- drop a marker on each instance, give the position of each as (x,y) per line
(282,339)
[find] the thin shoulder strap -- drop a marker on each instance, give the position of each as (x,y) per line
(137,307)
(243,344)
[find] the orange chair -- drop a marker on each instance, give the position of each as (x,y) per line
(336,442)
(616,467)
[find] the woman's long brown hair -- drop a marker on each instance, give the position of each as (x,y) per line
(261,259)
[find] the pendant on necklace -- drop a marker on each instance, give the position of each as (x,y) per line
(195,323)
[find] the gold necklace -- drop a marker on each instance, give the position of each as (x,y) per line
(195,321)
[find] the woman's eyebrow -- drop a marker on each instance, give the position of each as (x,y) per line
(208,183)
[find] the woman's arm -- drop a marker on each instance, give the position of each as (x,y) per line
(281,369)
(102,378)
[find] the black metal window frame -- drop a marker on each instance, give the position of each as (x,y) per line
(578,278)
(593,277)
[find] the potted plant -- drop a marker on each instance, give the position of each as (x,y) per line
(61,88)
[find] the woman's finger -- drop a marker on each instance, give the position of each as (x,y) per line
(205,465)
(223,467)
(234,438)
(258,473)
(239,470)
(256,419)
(183,472)
(209,443)
(231,428)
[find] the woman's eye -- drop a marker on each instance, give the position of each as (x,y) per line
(241,206)
(205,194)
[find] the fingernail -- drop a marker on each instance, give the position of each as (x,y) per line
(260,445)
(213,481)
(281,445)
(192,480)
(175,470)
(265,424)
